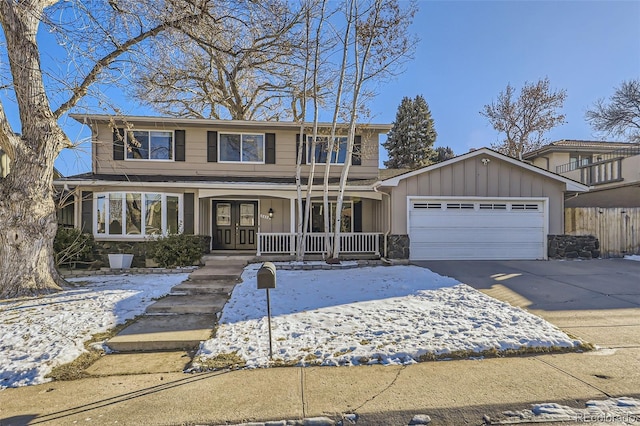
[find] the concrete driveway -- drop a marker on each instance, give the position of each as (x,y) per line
(596,300)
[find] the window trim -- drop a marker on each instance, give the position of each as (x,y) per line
(308,145)
(126,145)
(143,233)
(264,147)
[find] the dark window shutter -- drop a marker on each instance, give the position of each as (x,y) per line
(87,212)
(270,148)
(356,156)
(357,216)
(212,147)
(304,149)
(180,145)
(118,144)
(188,224)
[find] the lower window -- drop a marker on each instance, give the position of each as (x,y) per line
(317,216)
(137,213)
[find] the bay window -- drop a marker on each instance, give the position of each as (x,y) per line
(137,214)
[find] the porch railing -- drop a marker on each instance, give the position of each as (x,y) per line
(285,243)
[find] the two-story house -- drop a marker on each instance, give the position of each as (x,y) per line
(611,169)
(235,181)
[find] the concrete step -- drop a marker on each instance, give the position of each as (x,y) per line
(210,260)
(163,333)
(189,304)
(205,287)
(222,272)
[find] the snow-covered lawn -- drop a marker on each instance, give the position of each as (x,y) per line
(635,257)
(618,411)
(387,315)
(37,334)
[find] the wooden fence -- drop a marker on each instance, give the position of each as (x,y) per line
(617,228)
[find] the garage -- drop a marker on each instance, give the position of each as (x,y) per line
(481,205)
(477,229)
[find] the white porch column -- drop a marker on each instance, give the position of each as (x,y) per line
(292,225)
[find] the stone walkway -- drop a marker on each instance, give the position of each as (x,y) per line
(188,314)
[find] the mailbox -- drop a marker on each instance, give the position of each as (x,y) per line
(267,276)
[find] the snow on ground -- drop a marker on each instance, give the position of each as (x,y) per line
(633,257)
(37,334)
(387,315)
(618,411)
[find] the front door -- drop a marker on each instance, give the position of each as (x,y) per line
(235,225)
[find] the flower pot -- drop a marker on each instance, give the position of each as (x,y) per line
(120,261)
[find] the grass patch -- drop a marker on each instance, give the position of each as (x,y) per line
(495,353)
(75,369)
(224,361)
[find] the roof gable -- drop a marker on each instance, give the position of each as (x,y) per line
(570,184)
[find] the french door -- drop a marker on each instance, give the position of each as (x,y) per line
(235,224)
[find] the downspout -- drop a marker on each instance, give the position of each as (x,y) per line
(388,231)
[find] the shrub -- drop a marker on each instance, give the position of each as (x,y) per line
(175,250)
(71,246)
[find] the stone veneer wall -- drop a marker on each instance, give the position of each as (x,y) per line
(573,247)
(398,247)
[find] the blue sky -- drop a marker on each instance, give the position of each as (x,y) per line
(469,51)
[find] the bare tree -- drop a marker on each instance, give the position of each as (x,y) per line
(525,120)
(240,63)
(95,37)
(621,115)
(380,45)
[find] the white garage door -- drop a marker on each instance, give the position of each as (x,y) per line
(478,229)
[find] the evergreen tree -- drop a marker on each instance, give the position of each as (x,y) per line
(410,140)
(443,153)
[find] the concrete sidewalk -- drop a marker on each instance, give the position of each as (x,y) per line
(450,392)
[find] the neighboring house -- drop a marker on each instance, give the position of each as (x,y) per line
(610,210)
(611,169)
(235,181)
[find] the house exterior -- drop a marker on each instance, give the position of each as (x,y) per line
(235,182)
(231,180)
(611,169)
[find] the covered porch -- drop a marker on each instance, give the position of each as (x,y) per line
(266,221)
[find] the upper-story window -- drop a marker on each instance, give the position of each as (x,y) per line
(149,145)
(338,154)
(578,160)
(241,148)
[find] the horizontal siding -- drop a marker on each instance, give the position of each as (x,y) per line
(196,158)
(471,178)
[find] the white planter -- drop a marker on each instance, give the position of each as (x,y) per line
(120,261)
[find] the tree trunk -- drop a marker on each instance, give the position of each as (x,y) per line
(27,228)
(27,211)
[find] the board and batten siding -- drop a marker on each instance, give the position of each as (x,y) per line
(195,162)
(471,178)
(617,228)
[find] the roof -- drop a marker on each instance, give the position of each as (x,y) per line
(570,145)
(571,185)
(95,178)
(176,122)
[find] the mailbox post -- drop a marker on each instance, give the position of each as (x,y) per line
(267,280)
